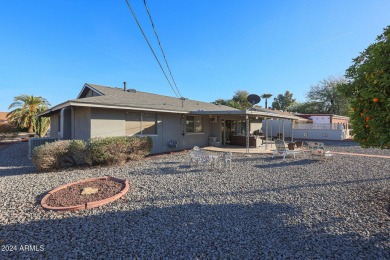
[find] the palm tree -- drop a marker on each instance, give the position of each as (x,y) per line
(266,97)
(28,107)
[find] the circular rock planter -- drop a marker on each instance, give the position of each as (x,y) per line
(85,194)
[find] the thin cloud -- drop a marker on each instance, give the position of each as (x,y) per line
(327,41)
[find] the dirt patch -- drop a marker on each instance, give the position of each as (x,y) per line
(71,195)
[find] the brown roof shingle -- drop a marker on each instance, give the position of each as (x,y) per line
(119,97)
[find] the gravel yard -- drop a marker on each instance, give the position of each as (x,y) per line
(263,208)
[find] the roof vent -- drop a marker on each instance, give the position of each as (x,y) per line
(132,90)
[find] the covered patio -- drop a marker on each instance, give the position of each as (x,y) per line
(243,131)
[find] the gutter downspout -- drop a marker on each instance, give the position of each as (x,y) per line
(62,121)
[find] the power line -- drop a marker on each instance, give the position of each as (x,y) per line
(161,48)
(146,39)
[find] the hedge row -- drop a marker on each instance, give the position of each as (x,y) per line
(98,151)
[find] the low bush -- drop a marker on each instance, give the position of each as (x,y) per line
(118,150)
(99,151)
(7,131)
(59,155)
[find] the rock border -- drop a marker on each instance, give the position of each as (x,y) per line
(87,205)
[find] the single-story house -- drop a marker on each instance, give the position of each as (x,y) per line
(172,123)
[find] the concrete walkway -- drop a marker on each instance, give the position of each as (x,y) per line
(240,149)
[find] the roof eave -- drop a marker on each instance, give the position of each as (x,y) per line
(245,112)
(86,85)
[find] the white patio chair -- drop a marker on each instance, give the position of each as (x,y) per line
(317,150)
(283,150)
(199,157)
(195,155)
(226,159)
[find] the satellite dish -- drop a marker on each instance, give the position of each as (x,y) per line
(253,99)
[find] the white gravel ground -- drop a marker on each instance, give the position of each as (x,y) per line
(264,208)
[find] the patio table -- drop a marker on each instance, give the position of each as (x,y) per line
(214,160)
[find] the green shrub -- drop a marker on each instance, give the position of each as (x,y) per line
(59,155)
(106,151)
(7,131)
(118,150)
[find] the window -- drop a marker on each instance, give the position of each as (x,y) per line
(138,123)
(149,124)
(238,127)
(194,124)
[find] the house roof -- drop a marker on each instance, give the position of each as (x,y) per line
(3,116)
(117,98)
(110,97)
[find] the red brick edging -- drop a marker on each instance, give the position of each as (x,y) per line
(362,154)
(87,205)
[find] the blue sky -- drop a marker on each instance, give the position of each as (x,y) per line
(51,48)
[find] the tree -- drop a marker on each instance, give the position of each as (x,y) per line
(28,107)
(42,124)
(368,90)
(266,97)
(283,102)
(238,101)
(240,96)
(307,107)
(327,98)
(220,101)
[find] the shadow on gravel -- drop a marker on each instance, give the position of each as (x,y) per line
(182,169)
(167,162)
(279,163)
(254,231)
(14,161)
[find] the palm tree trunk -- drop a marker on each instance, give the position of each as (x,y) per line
(30,129)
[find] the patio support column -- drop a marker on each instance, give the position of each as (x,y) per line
(247,133)
(292,130)
(283,128)
(266,133)
(224,131)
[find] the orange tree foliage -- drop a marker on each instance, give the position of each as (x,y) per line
(369,92)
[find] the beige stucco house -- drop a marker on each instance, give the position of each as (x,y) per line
(172,123)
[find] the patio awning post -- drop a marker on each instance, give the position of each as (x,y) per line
(266,133)
(292,130)
(247,134)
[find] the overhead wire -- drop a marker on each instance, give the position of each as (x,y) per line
(161,48)
(146,39)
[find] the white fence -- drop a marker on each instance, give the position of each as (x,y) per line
(320,134)
(318,126)
(272,128)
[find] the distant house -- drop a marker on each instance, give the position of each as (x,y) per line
(172,123)
(327,119)
(3,117)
